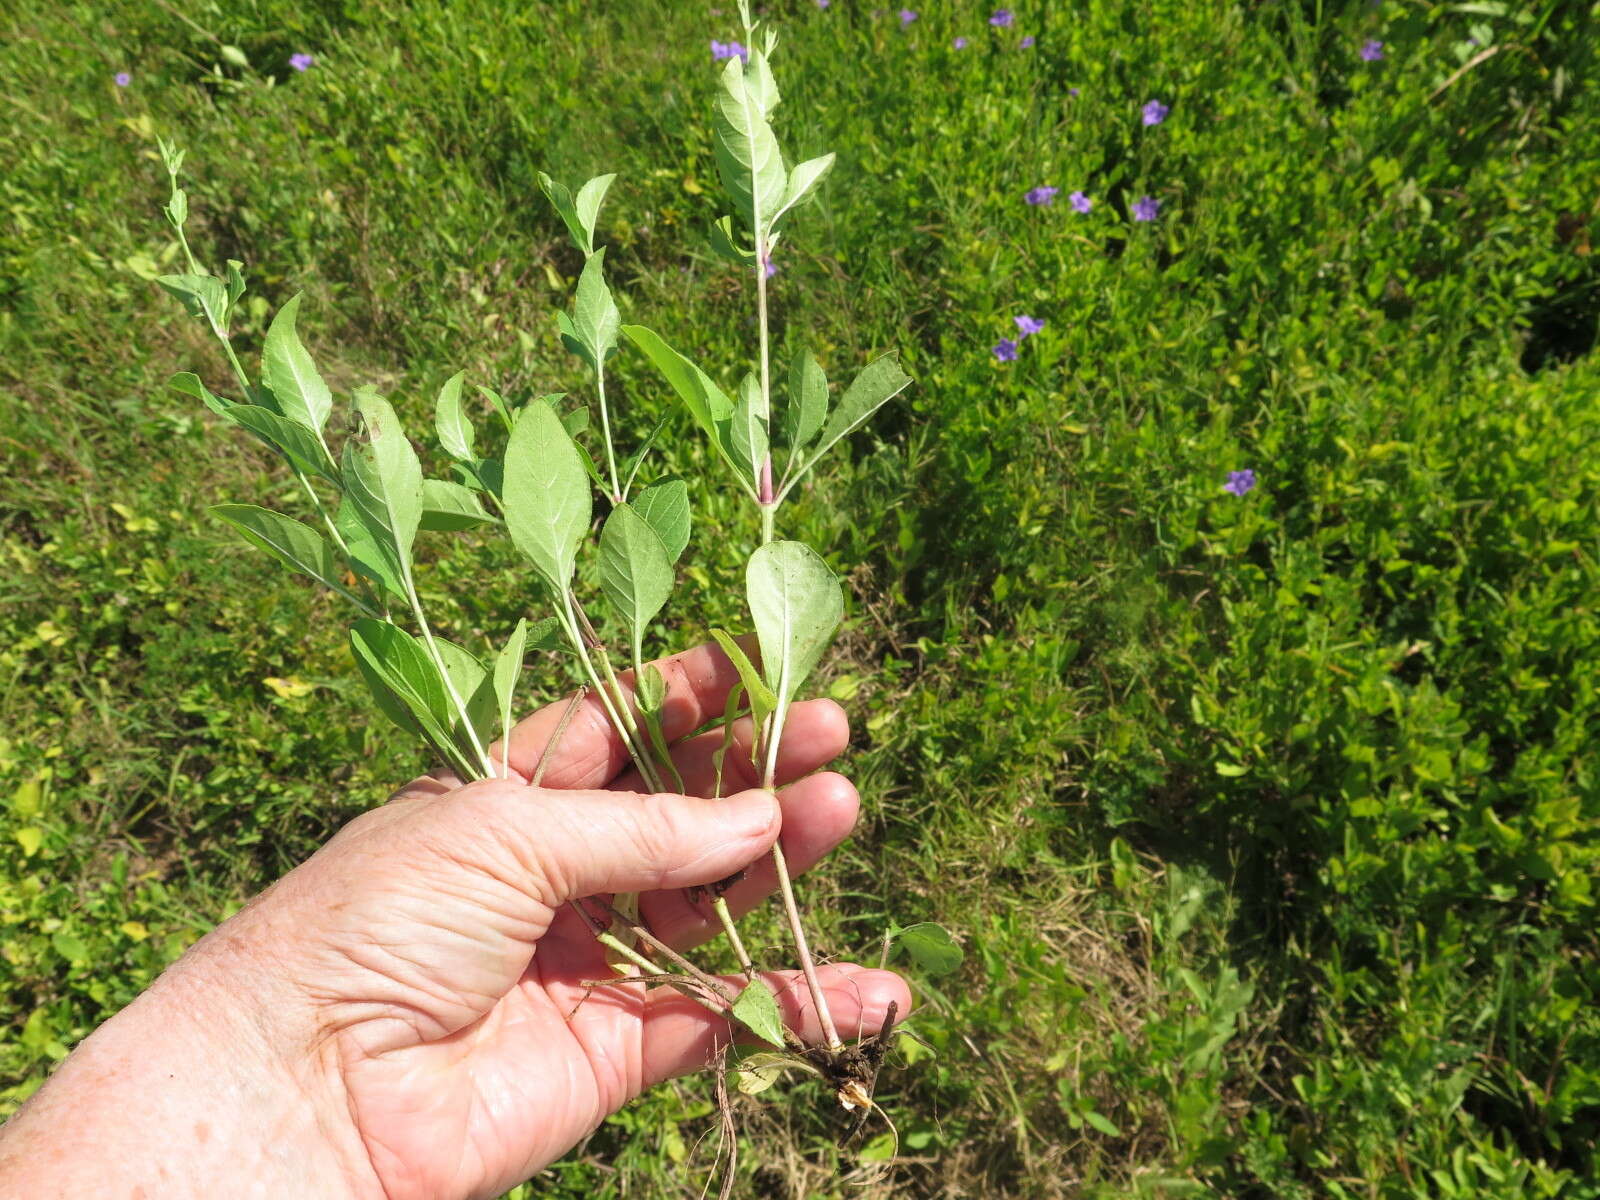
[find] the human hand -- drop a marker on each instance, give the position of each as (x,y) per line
(412,1004)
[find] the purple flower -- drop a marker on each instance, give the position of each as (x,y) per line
(1027,326)
(906,17)
(722,50)
(1005,350)
(824,3)
(1240,482)
(1073,92)
(1155,112)
(772,267)
(1045,195)
(301,61)
(1371,51)
(959,43)
(1146,208)
(1001,17)
(1026,43)
(1080,202)
(122,79)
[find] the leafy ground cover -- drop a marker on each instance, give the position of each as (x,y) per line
(1267,814)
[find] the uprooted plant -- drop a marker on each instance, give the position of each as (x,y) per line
(535,478)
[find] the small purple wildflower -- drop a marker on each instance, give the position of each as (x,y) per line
(1045,195)
(1001,17)
(122,79)
(1371,51)
(1073,92)
(772,267)
(1155,112)
(1146,208)
(1026,43)
(1027,326)
(301,61)
(906,17)
(722,50)
(1005,350)
(824,3)
(960,43)
(1080,202)
(1240,482)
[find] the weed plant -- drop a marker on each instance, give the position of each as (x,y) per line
(1267,820)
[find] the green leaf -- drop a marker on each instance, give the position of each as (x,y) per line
(587,203)
(707,403)
(797,605)
(747,432)
(803,181)
(546,495)
(366,557)
(578,213)
(289,374)
(455,430)
(498,404)
(631,464)
(576,421)
(665,506)
(1100,1123)
(650,690)
(762,701)
(383,479)
(808,402)
(449,506)
(406,685)
(725,246)
(235,283)
(758,81)
(472,683)
(297,546)
(879,382)
(547,634)
(748,157)
(757,1008)
(930,947)
(294,441)
(203,296)
(635,571)
(757,1070)
(189,384)
(719,756)
(595,319)
(507,670)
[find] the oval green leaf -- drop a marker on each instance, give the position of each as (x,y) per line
(797,604)
(546,495)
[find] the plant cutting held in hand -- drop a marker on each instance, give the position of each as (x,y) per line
(794,598)
(373,502)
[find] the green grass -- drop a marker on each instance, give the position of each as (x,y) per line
(1269,824)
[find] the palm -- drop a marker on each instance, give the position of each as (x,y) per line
(471,1040)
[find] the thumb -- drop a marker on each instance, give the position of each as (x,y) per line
(572,844)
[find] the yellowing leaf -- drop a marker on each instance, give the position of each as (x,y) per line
(30,839)
(291,688)
(134,930)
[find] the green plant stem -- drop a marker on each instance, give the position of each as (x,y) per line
(720,905)
(605,432)
(444,674)
(569,618)
(244,386)
(761,322)
(774,734)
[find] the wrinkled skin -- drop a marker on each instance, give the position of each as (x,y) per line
(407,1014)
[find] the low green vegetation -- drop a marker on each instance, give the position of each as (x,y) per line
(1267,817)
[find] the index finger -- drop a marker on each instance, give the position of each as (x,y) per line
(591,754)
